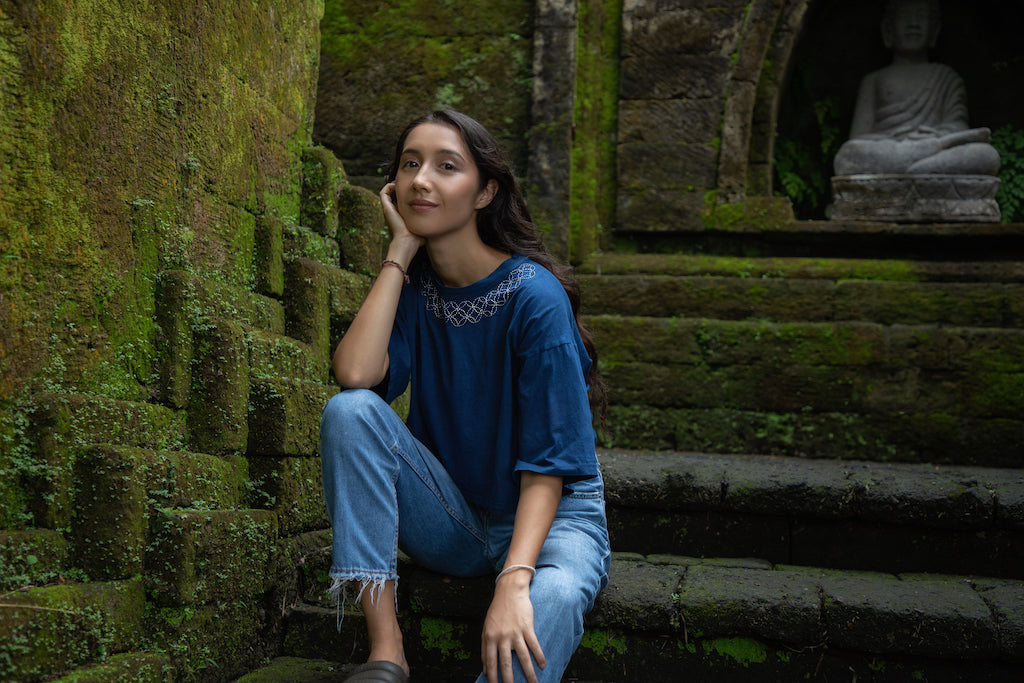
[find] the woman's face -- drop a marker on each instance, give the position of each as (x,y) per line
(437,185)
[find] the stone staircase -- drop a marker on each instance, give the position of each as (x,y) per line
(812,465)
(164,533)
(815,475)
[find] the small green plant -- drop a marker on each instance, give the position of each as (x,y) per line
(803,165)
(1009,142)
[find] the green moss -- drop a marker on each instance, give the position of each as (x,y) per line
(745,651)
(444,637)
(600,642)
(592,193)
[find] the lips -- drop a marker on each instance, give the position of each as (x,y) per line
(421,205)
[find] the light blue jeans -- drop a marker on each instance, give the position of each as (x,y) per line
(385,490)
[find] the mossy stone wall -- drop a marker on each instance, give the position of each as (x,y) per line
(385,64)
(136,137)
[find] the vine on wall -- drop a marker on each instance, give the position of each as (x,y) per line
(1009,142)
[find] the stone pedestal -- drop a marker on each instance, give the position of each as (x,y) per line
(916,198)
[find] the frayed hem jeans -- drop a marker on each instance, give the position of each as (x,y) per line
(385,490)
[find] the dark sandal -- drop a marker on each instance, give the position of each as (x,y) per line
(378,672)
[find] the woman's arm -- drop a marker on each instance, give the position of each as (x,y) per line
(361,358)
(508,628)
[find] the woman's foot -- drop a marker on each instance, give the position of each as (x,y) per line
(379,672)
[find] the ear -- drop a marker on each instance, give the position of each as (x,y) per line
(487,194)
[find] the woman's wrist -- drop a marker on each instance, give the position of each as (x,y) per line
(402,253)
(516,574)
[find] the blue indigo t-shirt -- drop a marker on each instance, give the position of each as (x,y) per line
(498,378)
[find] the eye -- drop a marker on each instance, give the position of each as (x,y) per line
(410,163)
(448,166)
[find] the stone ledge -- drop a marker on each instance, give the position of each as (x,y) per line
(661,614)
(923,495)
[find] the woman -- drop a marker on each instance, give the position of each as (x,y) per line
(495,470)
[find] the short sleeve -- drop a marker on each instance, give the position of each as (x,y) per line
(557,436)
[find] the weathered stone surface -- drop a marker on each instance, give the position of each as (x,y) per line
(45,631)
(1006,600)
(651,28)
(807,268)
(31,557)
(776,605)
(702,533)
(427,592)
(219,399)
(116,489)
(217,642)
(274,355)
(649,340)
(939,438)
(673,123)
(652,209)
(925,616)
(979,305)
(307,303)
(200,556)
(299,669)
(362,233)
(719,298)
(268,260)
(284,417)
(645,77)
(665,166)
(299,242)
(61,425)
(916,198)
(639,597)
(373,80)
(292,488)
(323,177)
(184,303)
(918,495)
(347,292)
(138,667)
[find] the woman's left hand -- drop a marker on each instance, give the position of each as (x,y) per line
(508,630)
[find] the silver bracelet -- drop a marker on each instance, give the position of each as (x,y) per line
(511,567)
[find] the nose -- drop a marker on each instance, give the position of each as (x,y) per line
(420,180)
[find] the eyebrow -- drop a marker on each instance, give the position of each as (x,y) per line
(450,152)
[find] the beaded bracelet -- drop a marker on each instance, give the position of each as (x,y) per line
(511,567)
(396,264)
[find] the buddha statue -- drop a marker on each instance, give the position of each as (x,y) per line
(911,119)
(911,116)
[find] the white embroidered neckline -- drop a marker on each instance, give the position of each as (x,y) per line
(459,313)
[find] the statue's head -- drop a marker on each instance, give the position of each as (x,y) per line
(911,24)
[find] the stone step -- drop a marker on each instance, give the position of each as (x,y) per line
(49,630)
(981,304)
(854,515)
(751,235)
(855,390)
(32,557)
(118,489)
(715,619)
(967,294)
(62,425)
(137,667)
(893,269)
(198,556)
(277,356)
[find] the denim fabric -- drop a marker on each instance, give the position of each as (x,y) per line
(385,490)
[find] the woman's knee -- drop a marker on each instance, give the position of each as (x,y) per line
(349,405)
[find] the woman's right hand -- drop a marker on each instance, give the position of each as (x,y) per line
(400,234)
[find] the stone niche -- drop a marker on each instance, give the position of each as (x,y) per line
(839,44)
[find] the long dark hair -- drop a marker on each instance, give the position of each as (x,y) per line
(506,225)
